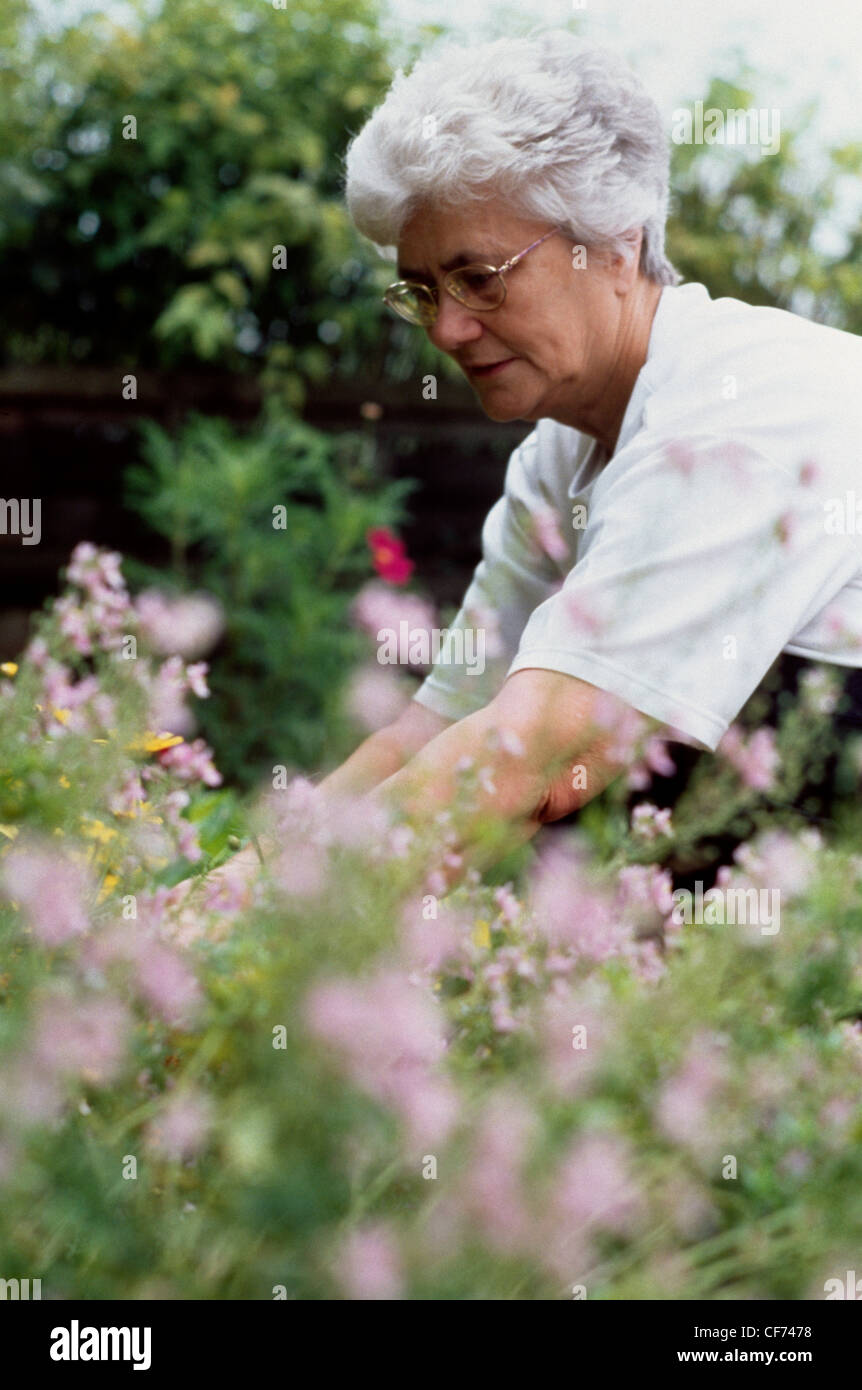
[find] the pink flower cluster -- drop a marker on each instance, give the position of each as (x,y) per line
(390,1037)
(54,892)
(187,626)
(755,758)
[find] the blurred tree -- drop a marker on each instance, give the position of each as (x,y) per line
(158,250)
(766,228)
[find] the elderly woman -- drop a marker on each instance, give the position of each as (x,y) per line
(687,458)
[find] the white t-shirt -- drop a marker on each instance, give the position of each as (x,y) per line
(722,531)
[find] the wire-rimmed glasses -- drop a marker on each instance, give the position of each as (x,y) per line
(479,287)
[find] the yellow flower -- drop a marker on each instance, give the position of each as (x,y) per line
(154,743)
(140,808)
(109,883)
(97,830)
(61,715)
(9,668)
(482,935)
(63,780)
(10,831)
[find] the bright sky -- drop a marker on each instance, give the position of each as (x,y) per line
(802,49)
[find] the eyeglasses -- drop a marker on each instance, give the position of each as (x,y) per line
(479,287)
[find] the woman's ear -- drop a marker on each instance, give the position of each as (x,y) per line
(625,264)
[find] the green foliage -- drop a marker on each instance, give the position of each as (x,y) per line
(284,577)
(158,250)
(746,224)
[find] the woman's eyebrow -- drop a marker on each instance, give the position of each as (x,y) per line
(463,258)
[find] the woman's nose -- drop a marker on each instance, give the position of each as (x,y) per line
(454,325)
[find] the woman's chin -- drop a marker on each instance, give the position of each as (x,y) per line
(504,405)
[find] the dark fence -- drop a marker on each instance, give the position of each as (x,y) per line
(68,437)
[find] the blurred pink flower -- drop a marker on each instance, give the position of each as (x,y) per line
(572,1027)
(300,870)
(571,907)
(756,760)
(86,1037)
(166,982)
(428,942)
(390,1035)
(180,1130)
(53,891)
(649,823)
(680,455)
(29,1094)
(594,1191)
(193,762)
(685,1107)
(644,895)
(368,1264)
(485,619)
(492,1190)
(654,760)
(376,607)
(188,626)
(545,527)
(375,697)
(777,859)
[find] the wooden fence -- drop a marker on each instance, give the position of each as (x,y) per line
(68,436)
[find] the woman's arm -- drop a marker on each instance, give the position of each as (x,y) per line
(547,744)
(386,752)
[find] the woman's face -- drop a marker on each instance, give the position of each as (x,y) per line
(559,331)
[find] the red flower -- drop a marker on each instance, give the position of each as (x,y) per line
(389,556)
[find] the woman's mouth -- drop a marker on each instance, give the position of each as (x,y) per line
(491,368)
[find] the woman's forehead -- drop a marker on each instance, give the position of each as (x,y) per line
(446,239)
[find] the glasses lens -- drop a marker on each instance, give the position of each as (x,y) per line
(477,286)
(412,302)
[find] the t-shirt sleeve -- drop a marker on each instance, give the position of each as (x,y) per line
(699,562)
(513,577)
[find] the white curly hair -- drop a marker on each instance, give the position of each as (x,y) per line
(559,127)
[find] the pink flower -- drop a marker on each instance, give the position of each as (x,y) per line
(51,889)
(389,556)
(428,942)
(192,762)
(685,1107)
(571,908)
(486,620)
(369,1265)
(594,1188)
(300,870)
(546,530)
(166,982)
(655,760)
(510,908)
(375,698)
(187,626)
(777,859)
(756,760)
(493,1191)
(644,895)
(390,1037)
(572,1027)
(85,1037)
(649,823)
(180,1131)
(376,607)
(594,1191)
